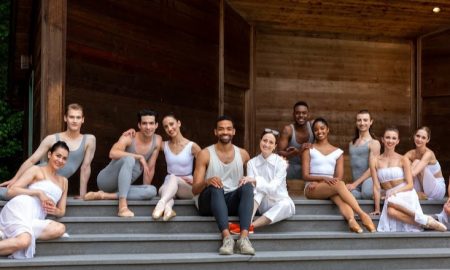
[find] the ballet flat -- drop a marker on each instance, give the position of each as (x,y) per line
(125,212)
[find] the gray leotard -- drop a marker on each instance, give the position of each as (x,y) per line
(294,170)
(73,161)
(359,159)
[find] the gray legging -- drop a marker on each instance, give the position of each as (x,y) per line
(119,175)
(3,194)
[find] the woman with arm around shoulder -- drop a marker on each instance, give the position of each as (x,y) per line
(361,148)
(323,169)
(267,172)
(179,153)
(392,172)
(38,192)
(426,170)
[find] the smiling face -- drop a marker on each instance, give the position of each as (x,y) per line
(390,139)
(421,138)
(363,121)
(321,131)
(224,131)
(267,144)
(74,119)
(58,158)
(301,115)
(148,125)
(171,126)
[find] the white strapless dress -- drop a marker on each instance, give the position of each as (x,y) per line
(24,214)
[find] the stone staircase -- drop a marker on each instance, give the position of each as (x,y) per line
(315,238)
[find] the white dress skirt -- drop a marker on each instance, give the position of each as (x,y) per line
(24,214)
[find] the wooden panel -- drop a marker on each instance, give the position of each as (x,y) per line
(373,19)
(236,69)
(119,63)
(435,94)
(337,78)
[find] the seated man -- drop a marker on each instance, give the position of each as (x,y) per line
(219,188)
(131,156)
(295,138)
(82,149)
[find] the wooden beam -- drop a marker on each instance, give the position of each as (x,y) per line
(249,139)
(53,64)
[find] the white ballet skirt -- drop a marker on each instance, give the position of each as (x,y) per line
(407,199)
(24,214)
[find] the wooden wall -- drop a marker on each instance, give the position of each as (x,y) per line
(337,78)
(236,69)
(435,94)
(152,54)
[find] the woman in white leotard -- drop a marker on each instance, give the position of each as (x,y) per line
(426,170)
(37,192)
(401,210)
(323,168)
(179,153)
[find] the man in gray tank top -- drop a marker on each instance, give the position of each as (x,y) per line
(220,190)
(82,149)
(295,138)
(131,156)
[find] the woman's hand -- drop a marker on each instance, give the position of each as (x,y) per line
(50,208)
(350,187)
(311,186)
(331,180)
(247,179)
(131,132)
(375,213)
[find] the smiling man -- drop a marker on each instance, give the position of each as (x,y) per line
(295,138)
(218,171)
(82,149)
(131,156)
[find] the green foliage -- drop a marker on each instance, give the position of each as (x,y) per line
(10,121)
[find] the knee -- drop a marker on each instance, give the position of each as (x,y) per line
(127,161)
(247,189)
(23,242)
(60,229)
(215,191)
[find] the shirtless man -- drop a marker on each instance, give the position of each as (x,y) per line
(295,138)
(131,157)
(220,190)
(82,149)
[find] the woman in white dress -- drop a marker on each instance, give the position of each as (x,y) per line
(392,172)
(323,169)
(179,153)
(38,192)
(426,170)
(267,172)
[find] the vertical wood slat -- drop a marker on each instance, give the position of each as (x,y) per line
(53,62)
(221,87)
(250,142)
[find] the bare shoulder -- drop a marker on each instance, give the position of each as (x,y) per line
(158,141)
(244,154)
(287,130)
(203,157)
(48,141)
(195,149)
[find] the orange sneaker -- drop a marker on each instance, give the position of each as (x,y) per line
(235,228)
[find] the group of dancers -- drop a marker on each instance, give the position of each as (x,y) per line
(225,180)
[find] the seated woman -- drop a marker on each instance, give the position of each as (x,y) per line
(361,148)
(323,168)
(37,192)
(401,209)
(267,172)
(426,171)
(179,153)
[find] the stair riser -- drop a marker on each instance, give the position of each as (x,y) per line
(181,246)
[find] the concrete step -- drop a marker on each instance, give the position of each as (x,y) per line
(79,208)
(207,242)
(380,259)
(195,224)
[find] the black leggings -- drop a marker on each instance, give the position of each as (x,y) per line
(213,202)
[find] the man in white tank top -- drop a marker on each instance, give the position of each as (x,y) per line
(219,188)
(74,119)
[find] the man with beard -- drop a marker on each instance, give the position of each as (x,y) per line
(220,190)
(295,138)
(131,157)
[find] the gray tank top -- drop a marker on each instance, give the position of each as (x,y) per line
(359,159)
(293,142)
(137,169)
(73,161)
(230,173)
